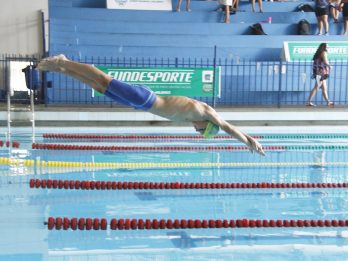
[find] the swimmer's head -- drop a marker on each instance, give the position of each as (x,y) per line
(207,129)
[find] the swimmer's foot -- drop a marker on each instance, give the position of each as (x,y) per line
(52,63)
(311,104)
(330,104)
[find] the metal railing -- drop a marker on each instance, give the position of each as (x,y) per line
(10,67)
(9,83)
(243,83)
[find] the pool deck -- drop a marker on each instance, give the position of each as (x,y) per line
(116,116)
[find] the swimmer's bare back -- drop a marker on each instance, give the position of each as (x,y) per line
(180,108)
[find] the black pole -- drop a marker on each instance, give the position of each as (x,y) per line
(280,83)
(44,54)
(214,80)
(43,33)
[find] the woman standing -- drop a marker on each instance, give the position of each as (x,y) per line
(344,6)
(253,5)
(321,71)
(227,6)
(322,12)
(334,8)
(178,7)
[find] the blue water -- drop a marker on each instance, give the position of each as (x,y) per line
(24,211)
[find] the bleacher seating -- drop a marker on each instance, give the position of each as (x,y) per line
(74,25)
(85,28)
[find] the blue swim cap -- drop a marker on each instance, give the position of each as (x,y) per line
(211,130)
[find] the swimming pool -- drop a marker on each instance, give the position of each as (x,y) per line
(233,205)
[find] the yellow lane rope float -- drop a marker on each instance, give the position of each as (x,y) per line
(153,165)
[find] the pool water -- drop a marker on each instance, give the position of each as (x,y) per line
(25,211)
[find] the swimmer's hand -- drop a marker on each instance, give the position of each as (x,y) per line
(254,145)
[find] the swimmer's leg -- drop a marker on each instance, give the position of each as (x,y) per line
(139,97)
(318,84)
(85,73)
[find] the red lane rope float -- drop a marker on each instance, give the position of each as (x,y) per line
(132,137)
(41,146)
(14,144)
(127,185)
(74,223)
(65,223)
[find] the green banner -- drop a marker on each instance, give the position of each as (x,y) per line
(304,51)
(198,82)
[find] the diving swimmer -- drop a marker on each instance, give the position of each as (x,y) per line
(204,118)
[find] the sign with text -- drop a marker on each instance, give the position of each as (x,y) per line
(304,51)
(191,82)
(165,5)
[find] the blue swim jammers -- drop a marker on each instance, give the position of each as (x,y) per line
(139,97)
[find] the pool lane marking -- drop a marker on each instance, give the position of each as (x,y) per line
(129,185)
(45,146)
(155,165)
(88,223)
(80,136)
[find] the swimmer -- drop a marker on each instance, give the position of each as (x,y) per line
(204,118)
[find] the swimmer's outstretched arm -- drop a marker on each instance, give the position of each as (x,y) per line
(252,144)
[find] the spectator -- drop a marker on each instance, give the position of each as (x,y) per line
(227,7)
(253,5)
(344,7)
(235,5)
(321,71)
(178,8)
(321,12)
(334,9)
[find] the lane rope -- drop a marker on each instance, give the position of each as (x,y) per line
(80,136)
(65,223)
(129,137)
(155,165)
(39,146)
(13,144)
(128,185)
